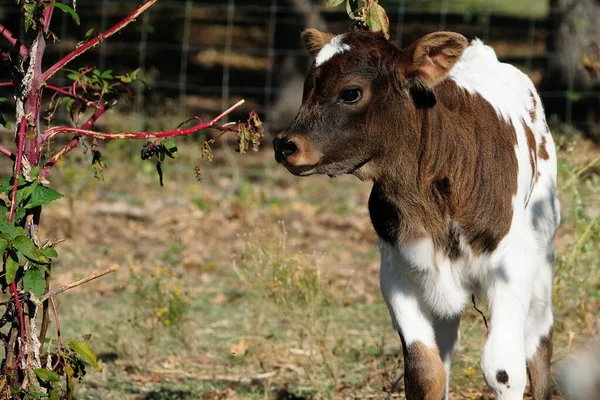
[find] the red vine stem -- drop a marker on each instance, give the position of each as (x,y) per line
(13,206)
(88,45)
(23,50)
(13,289)
(58,337)
(17,172)
(72,144)
(6,84)
(60,90)
(48,16)
(6,152)
(5,58)
(140,135)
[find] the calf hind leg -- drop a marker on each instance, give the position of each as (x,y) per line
(538,334)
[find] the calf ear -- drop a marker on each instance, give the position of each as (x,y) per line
(428,61)
(315,40)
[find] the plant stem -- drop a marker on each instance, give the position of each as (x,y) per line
(17,171)
(7,152)
(141,135)
(72,144)
(88,45)
(71,285)
(23,51)
(6,84)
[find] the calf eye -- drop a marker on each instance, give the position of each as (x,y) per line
(350,95)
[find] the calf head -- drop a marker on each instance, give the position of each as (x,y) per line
(360,99)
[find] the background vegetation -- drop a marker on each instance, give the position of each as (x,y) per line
(257,284)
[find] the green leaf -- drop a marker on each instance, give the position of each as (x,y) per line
(11,266)
(26,247)
(53,394)
(25,191)
(29,11)
(130,77)
(9,229)
(3,246)
(3,99)
(84,351)
(46,375)
(4,122)
(67,9)
(377,20)
(34,281)
(35,172)
(6,184)
(19,213)
(42,195)
(170,149)
(333,3)
(107,74)
(49,252)
(89,33)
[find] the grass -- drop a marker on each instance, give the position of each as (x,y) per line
(256,284)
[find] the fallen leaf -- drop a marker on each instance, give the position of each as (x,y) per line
(239,349)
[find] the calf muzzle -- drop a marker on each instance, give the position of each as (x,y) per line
(284,148)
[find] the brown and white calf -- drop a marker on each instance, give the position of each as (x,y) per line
(464,193)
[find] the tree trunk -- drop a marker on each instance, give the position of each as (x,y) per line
(572,78)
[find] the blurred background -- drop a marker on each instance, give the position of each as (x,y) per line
(255,283)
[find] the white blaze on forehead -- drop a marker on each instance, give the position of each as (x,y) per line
(335,46)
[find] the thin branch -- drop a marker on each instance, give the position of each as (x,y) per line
(17,172)
(58,336)
(48,16)
(142,135)
(72,144)
(60,90)
(23,50)
(6,84)
(50,295)
(5,58)
(88,45)
(13,289)
(7,153)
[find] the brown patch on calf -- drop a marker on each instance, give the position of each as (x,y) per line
(424,374)
(461,166)
(532,148)
(543,152)
(538,369)
(533,111)
(531,144)
(502,377)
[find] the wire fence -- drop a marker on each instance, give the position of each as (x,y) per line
(205,55)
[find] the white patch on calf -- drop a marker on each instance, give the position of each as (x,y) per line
(335,46)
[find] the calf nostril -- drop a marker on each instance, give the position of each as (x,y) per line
(288,147)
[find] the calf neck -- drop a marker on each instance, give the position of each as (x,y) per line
(464,193)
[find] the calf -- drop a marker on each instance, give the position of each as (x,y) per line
(464,193)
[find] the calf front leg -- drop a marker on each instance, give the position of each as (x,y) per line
(424,375)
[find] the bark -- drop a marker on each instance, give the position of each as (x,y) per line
(572,78)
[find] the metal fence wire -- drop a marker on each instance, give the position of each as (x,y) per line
(205,55)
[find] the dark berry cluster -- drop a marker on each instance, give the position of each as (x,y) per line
(149,150)
(360,24)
